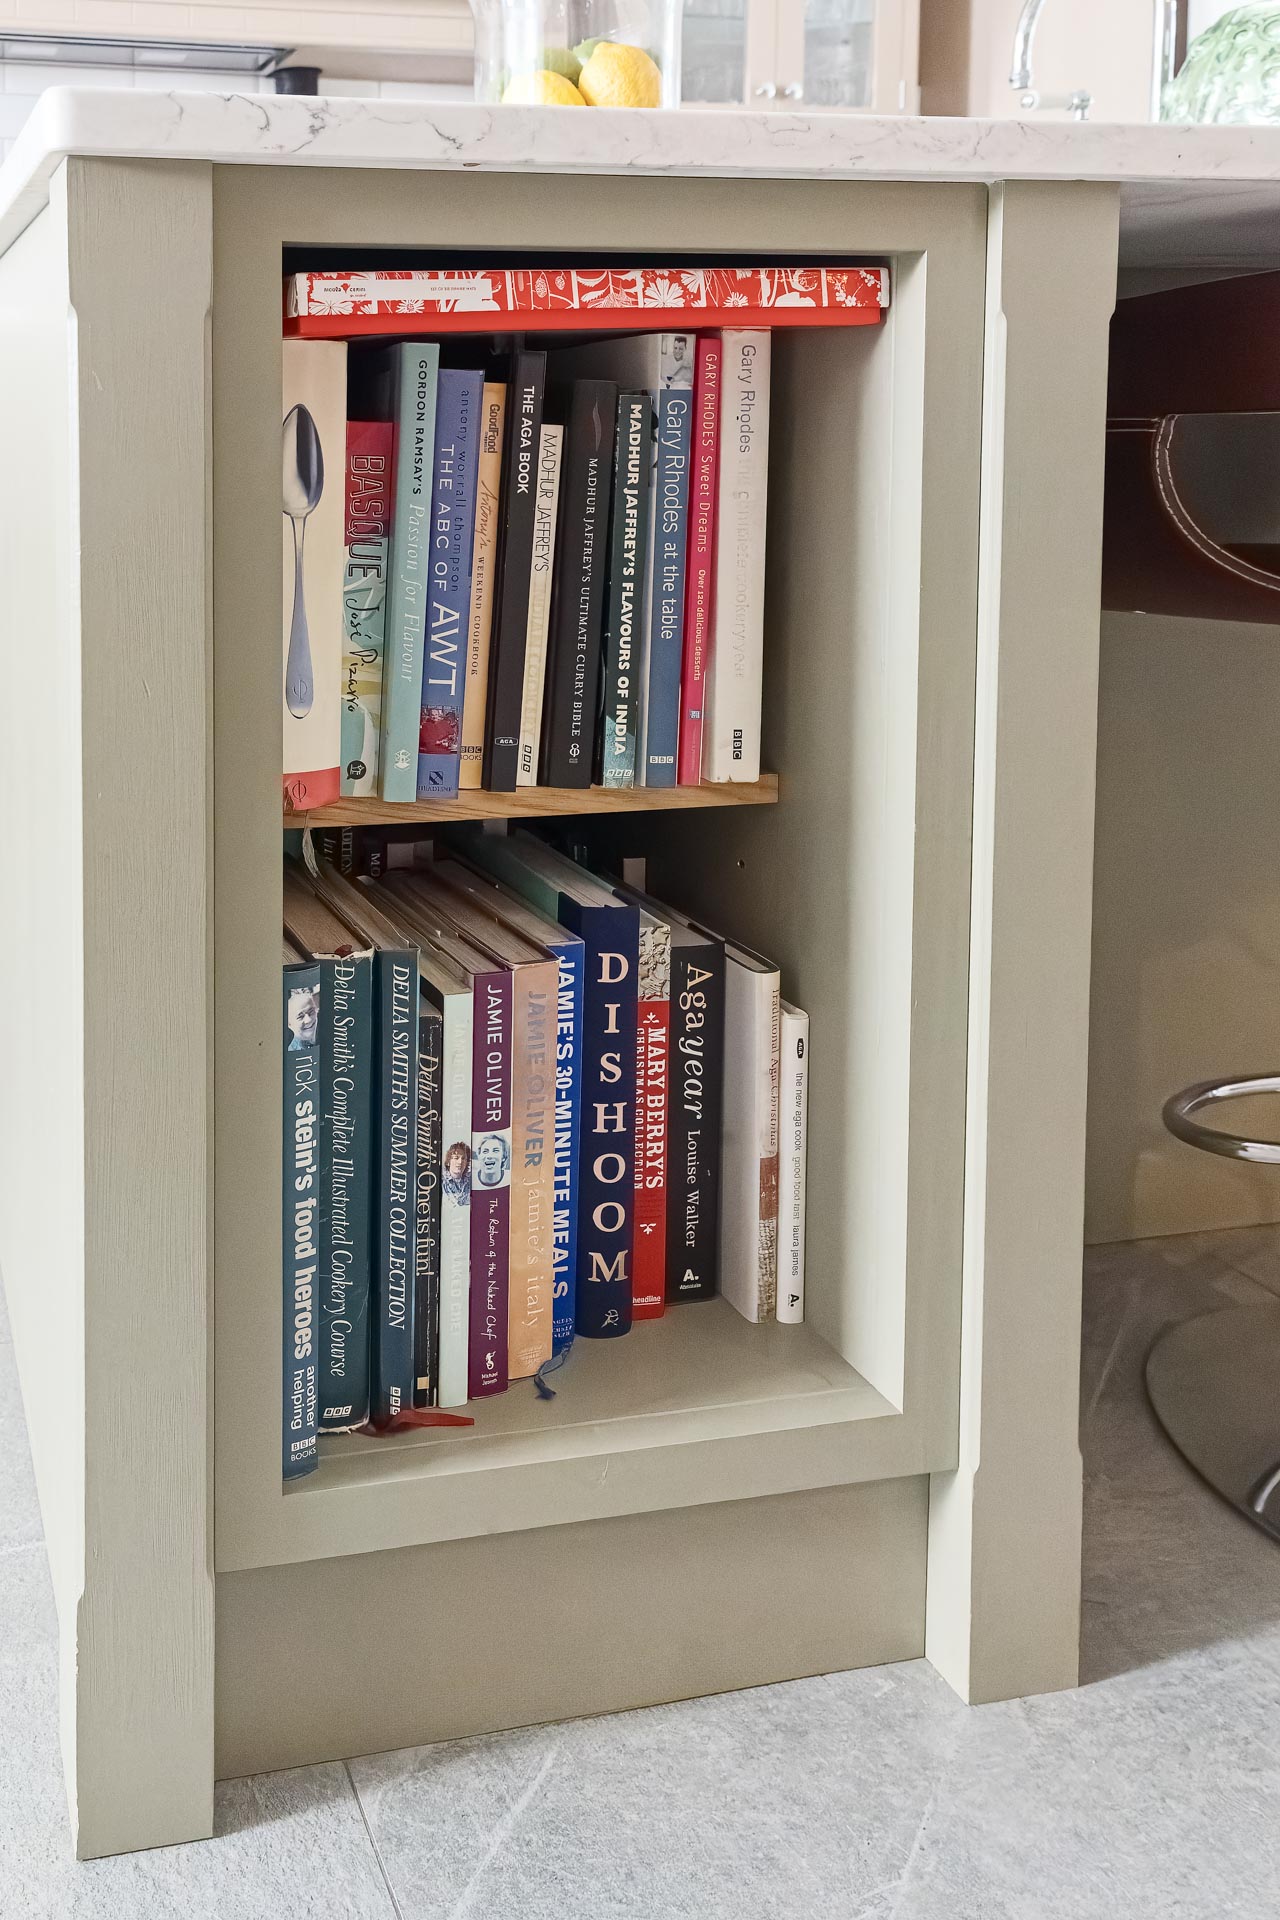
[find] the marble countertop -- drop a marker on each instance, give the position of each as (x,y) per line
(1202,196)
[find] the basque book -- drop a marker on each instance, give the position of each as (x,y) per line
(541,575)
(793,1102)
(699,599)
(625,603)
(451,538)
(525,394)
(573,667)
(300,1212)
(426,1317)
(512,904)
(731,726)
(484,569)
(346,1114)
(370,469)
(314,437)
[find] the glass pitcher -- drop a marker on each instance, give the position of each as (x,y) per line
(1231,75)
(600,53)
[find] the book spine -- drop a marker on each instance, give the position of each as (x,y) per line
(337,847)
(625,604)
(490,1185)
(511,618)
(397,1043)
(671,529)
(731,731)
(793,1103)
(749,1210)
(568,1136)
(484,570)
(314,558)
(455,1204)
(417,369)
(541,573)
(533,1020)
(695,1106)
(426,1314)
(653,1032)
(370,467)
(699,603)
(606,1205)
(570,707)
(452,535)
(348,1269)
(301,1218)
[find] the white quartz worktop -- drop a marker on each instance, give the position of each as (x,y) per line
(1190,196)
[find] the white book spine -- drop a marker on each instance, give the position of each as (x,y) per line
(793,1101)
(546,506)
(455,1203)
(314,567)
(749,1142)
(731,727)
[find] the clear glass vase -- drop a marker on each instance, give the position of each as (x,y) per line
(602,53)
(1231,75)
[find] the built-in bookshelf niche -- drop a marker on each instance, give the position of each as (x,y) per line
(847,864)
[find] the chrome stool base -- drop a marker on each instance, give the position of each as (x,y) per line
(1214,1383)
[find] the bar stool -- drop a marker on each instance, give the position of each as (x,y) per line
(1214,1382)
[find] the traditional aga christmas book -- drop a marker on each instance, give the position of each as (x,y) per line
(534,984)
(370,472)
(398,384)
(395,1120)
(314,444)
(525,394)
(662,364)
(490,1169)
(511,905)
(541,576)
(699,595)
(300,1212)
(577,606)
(731,728)
(346,1092)
(610,931)
(749,1135)
(426,1317)
(484,571)
(344,305)
(459,397)
(625,603)
(793,1102)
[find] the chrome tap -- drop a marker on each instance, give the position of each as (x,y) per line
(1077,104)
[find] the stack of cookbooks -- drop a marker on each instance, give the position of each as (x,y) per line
(522,1103)
(539,563)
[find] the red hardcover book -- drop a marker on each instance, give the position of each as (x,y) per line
(653,1042)
(345,306)
(700,570)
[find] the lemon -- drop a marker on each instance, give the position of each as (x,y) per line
(542,89)
(620,76)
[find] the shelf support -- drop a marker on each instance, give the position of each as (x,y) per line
(1003,1614)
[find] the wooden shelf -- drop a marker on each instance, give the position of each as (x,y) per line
(538,802)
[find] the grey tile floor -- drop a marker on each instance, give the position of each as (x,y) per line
(1153,1791)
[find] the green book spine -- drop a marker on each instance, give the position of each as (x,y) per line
(348,1273)
(396,988)
(625,603)
(301,1213)
(416,369)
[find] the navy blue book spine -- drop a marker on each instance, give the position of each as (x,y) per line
(606,1165)
(450,547)
(301,1215)
(397,1045)
(666,608)
(348,1270)
(571,957)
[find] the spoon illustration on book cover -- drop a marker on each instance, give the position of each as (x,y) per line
(303,463)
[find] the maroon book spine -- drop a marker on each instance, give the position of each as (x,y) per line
(490,1183)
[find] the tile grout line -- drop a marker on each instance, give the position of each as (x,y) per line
(377,1851)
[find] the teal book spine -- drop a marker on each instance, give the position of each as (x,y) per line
(416,368)
(396,1019)
(348,1273)
(625,603)
(301,1214)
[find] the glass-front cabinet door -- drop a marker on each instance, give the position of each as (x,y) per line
(845,54)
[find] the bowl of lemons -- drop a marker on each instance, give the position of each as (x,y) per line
(578,53)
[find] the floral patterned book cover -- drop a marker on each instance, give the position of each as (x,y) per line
(342,305)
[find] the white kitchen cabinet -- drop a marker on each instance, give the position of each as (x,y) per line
(850,54)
